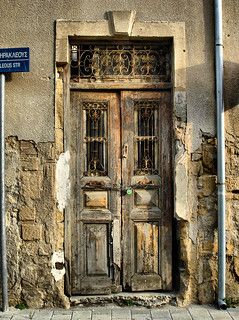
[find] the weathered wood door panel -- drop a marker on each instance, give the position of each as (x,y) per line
(146,206)
(122,192)
(97,180)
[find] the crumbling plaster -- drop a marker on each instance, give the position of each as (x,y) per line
(63,180)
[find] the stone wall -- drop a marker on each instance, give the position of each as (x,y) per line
(197,233)
(34,227)
(205,223)
(232,218)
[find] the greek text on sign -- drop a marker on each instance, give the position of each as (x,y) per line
(14,60)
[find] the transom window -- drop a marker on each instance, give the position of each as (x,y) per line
(134,61)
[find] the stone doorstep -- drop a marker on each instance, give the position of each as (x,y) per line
(127,299)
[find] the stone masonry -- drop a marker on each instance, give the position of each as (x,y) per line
(34,228)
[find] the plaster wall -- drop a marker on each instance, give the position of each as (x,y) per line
(30,97)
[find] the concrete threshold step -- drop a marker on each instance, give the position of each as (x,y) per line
(143,299)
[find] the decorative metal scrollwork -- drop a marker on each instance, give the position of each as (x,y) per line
(106,62)
(146,137)
(95,114)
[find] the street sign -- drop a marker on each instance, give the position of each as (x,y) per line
(14,60)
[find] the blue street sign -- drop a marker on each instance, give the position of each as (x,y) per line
(14,60)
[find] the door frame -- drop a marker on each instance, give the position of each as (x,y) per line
(155,217)
(102,30)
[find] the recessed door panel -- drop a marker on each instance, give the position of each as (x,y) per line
(96,247)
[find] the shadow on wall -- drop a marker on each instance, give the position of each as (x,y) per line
(231,85)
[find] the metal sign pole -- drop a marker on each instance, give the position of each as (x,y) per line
(3,250)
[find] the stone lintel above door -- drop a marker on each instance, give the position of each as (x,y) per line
(124,25)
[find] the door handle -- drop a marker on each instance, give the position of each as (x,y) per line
(125,150)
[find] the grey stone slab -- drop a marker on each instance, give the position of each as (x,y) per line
(101,317)
(141,314)
(23,315)
(42,315)
(141,317)
(162,318)
(121,314)
(160,314)
(6,317)
(101,314)
(219,314)
(180,314)
(62,312)
(101,311)
(234,313)
(82,315)
(199,313)
(61,316)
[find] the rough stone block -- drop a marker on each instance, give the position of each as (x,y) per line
(11,172)
(59,243)
(30,184)
(27,214)
(59,216)
(230,247)
(209,158)
(30,164)
(236,265)
(232,183)
(31,232)
(196,156)
(207,246)
(207,184)
(59,135)
(206,293)
(44,250)
(28,148)
(46,151)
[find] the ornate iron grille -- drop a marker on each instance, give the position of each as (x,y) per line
(146,137)
(131,61)
(95,119)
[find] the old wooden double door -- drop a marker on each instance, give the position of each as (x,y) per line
(122,191)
